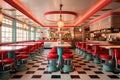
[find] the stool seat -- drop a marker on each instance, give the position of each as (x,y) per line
(23,56)
(105,57)
(7,61)
(67,56)
(118,61)
(90,50)
(52,56)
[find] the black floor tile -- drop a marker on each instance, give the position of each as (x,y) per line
(98,72)
(55,76)
(31,63)
(87,69)
(44,63)
(113,76)
(91,66)
(94,76)
(64,72)
(17,76)
(81,72)
(86,62)
(41,69)
(75,76)
(82,64)
(46,72)
(35,66)
(36,76)
(39,61)
(13,72)
(30,72)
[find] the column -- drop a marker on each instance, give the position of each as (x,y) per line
(14,27)
(35,31)
(1,18)
(29,33)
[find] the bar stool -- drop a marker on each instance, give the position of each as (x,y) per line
(117,58)
(106,57)
(52,62)
(5,65)
(89,52)
(96,52)
(21,59)
(67,66)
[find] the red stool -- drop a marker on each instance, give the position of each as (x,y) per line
(106,57)
(117,57)
(67,66)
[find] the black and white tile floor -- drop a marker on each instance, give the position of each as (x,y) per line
(84,70)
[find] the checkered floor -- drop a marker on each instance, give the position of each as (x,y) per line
(84,70)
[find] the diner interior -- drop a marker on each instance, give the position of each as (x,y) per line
(59,39)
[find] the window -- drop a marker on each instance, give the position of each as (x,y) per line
(6,33)
(19,24)
(38,35)
(7,21)
(32,35)
(22,34)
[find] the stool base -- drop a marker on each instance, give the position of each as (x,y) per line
(89,57)
(67,68)
(96,60)
(107,67)
(52,68)
(21,67)
(4,75)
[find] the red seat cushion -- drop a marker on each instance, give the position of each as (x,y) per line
(105,57)
(52,56)
(118,61)
(7,61)
(23,56)
(67,56)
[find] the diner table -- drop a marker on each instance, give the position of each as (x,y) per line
(60,50)
(11,54)
(32,56)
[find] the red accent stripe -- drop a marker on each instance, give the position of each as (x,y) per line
(61,12)
(19,6)
(98,6)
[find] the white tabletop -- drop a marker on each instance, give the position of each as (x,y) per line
(56,44)
(111,47)
(11,48)
(22,44)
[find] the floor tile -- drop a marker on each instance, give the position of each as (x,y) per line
(94,76)
(55,76)
(75,76)
(36,76)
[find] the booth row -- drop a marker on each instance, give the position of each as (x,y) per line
(106,54)
(15,56)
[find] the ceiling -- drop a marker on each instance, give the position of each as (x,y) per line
(86,10)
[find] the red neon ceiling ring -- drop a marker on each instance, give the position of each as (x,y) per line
(61,12)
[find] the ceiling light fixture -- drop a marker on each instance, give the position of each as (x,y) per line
(60,22)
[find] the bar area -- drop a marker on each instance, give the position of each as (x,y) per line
(59,39)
